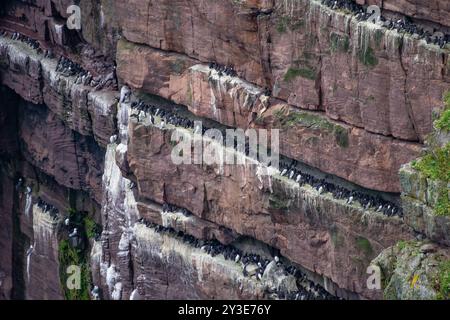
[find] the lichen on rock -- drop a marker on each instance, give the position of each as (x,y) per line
(414,270)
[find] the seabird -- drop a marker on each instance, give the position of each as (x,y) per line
(350,200)
(74,233)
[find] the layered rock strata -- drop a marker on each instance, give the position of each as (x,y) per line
(352,100)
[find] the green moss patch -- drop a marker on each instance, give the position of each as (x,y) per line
(443,123)
(91,227)
(341,136)
(306,72)
(315,122)
(364,245)
(337,239)
(367,57)
(378,37)
(277,203)
(442,207)
(339,43)
(124,45)
(444,280)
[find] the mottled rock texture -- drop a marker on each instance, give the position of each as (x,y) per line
(414,270)
(351,99)
(311,57)
(304,226)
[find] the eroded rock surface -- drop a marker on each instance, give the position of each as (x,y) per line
(352,100)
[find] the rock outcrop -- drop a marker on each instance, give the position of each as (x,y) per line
(354,104)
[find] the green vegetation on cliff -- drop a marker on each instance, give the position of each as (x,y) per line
(310,120)
(91,227)
(443,123)
(414,270)
(305,72)
(364,245)
(444,280)
(339,43)
(285,23)
(69,256)
(435,165)
(78,255)
(367,57)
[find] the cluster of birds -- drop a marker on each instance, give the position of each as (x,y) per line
(20,37)
(72,69)
(403,25)
(48,208)
(67,67)
(231,72)
(150,112)
(33,44)
(223,70)
(166,207)
(322,186)
(288,170)
(252,264)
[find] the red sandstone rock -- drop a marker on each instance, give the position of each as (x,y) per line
(349,152)
(317,232)
(220,31)
(73,160)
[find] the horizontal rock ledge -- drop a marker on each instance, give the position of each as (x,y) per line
(334,147)
(318,232)
(35,79)
(313,57)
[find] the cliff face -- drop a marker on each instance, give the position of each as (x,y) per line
(354,101)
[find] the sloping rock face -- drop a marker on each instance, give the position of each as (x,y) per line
(353,101)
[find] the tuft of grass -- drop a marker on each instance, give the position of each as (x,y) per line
(442,207)
(91,227)
(443,123)
(435,165)
(71,256)
(277,203)
(402,244)
(341,136)
(444,280)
